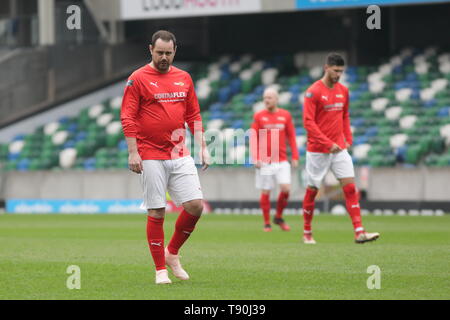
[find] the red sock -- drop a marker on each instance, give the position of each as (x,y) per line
(184,226)
(264,203)
(282,203)
(352,204)
(308,209)
(155,238)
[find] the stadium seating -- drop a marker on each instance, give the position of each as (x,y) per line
(400,113)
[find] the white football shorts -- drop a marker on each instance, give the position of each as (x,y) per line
(179,177)
(270,172)
(318,164)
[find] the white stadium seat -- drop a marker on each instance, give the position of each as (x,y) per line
(67,158)
(96,111)
(60,137)
(51,128)
(398,140)
(393,113)
(104,119)
(114,128)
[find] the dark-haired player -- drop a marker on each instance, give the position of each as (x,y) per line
(158,100)
(326,119)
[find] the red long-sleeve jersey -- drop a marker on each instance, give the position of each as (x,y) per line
(326,117)
(266,127)
(155,108)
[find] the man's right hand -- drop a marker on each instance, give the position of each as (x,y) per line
(335,148)
(135,162)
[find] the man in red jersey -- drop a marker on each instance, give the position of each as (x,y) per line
(158,100)
(326,119)
(272,129)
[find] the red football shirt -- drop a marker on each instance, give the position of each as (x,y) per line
(266,126)
(326,117)
(155,108)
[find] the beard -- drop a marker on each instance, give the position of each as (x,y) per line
(162,65)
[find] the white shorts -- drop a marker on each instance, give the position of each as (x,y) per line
(318,164)
(179,177)
(280,171)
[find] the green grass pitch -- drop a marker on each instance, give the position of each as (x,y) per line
(228,257)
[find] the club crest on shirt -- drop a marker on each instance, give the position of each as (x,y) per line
(179,83)
(339,96)
(281,118)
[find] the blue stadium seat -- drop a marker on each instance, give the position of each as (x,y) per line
(400,153)
(300,131)
(305,80)
(123,145)
(371,132)
(227,116)
(81,136)
(23,165)
(19,137)
(72,128)
(13,156)
(215,115)
(430,103)
(216,107)
(259,90)
(352,78)
(226,75)
(361,140)
(443,112)
(295,89)
(224,94)
(235,86)
(354,95)
(363,87)
(302,151)
(415,94)
(412,76)
(237,124)
(351,70)
(89,164)
(357,122)
(64,120)
(398,69)
(250,99)
(69,144)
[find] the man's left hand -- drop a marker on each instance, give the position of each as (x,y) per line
(205,158)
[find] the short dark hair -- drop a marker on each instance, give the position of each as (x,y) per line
(165,36)
(335,59)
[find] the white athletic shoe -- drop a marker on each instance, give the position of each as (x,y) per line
(162,277)
(173,261)
(366,237)
(308,239)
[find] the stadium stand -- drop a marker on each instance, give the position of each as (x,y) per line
(400,113)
